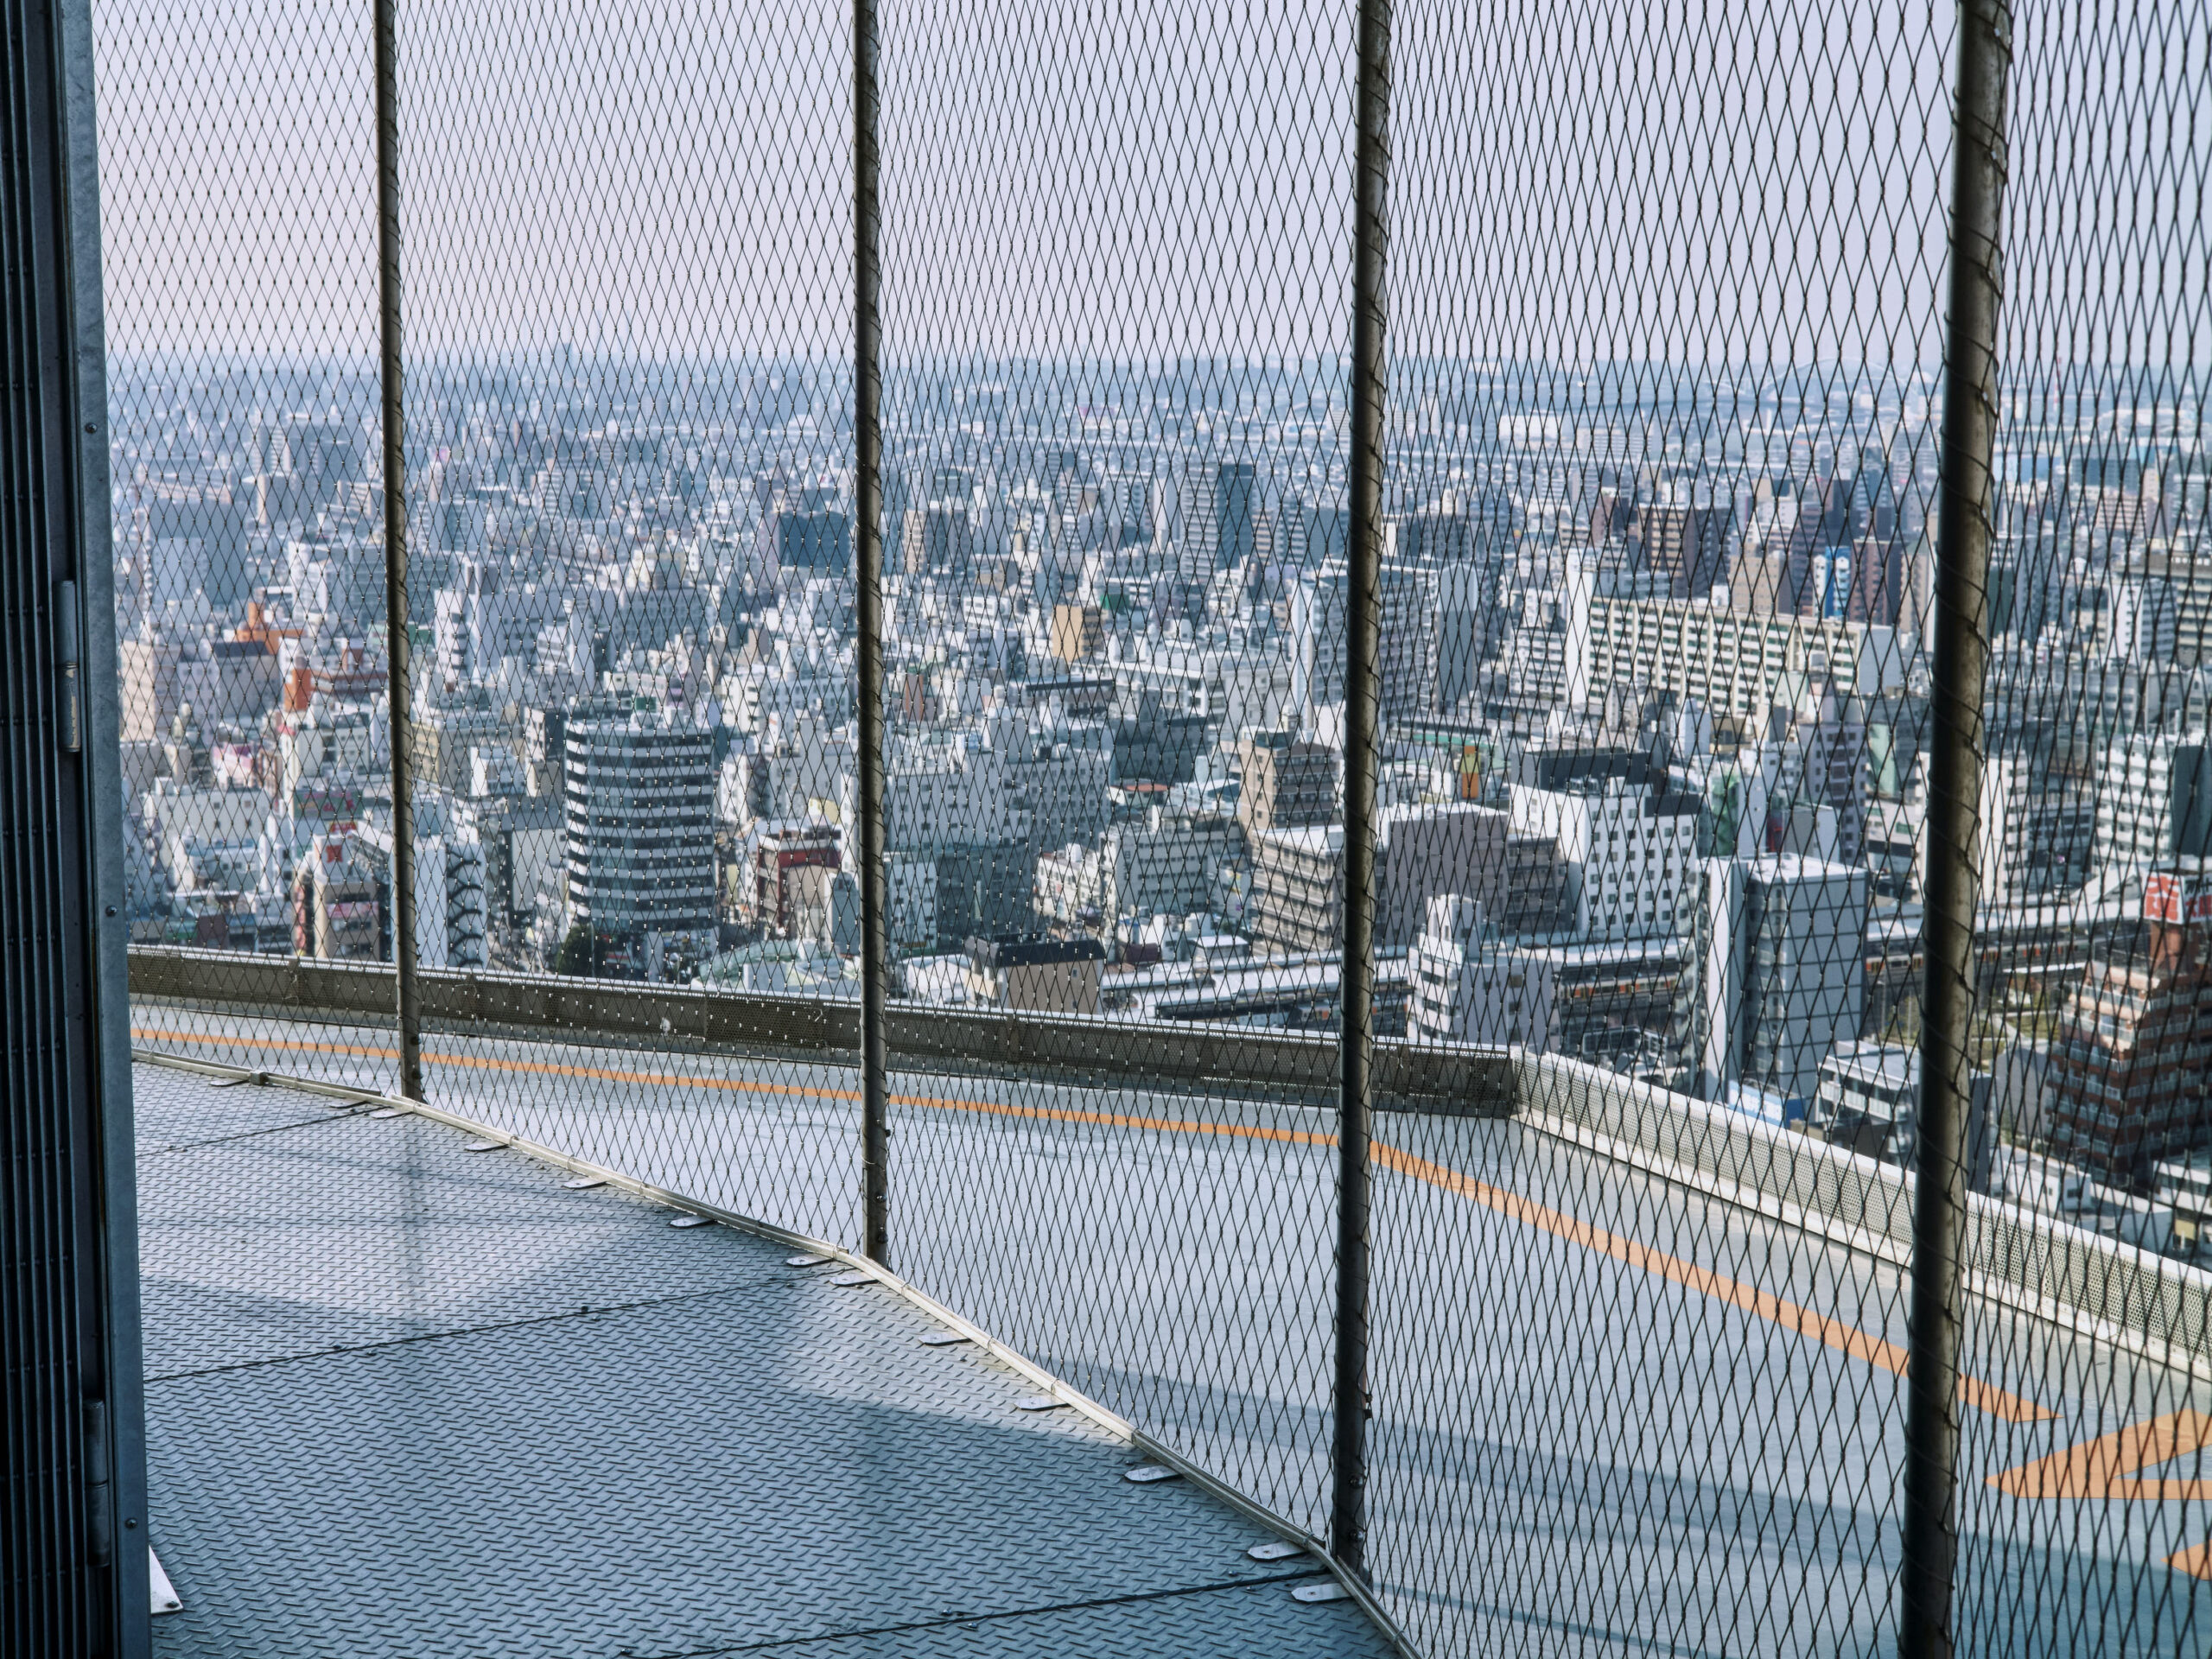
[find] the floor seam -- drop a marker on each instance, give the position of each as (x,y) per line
(954,1621)
(338,1114)
(591,1311)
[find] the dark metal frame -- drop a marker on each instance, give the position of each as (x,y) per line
(73,1575)
(397,640)
(1363,703)
(1961,660)
(867,550)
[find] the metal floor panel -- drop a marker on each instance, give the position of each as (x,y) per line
(723,1455)
(344,1230)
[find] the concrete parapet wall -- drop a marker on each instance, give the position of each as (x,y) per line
(2148,1304)
(1154,1052)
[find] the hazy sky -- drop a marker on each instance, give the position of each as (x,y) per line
(1698,182)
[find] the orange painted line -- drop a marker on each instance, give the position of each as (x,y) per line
(1790,1316)
(1831,1333)
(1115,1120)
(353,1049)
(2196,1562)
(538,1068)
(2104,1467)
(741,1085)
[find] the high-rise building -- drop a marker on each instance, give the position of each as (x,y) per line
(2129,1083)
(2039,827)
(1078,631)
(2154,801)
(1297,902)
(820,542)
(1878,582)
(337,903)
(1128,509)
(1686,546)
(1219,506)
(1626,849)
(1416,658)
(1420,853)
(1464,985)
(640,808)
(937,539)
(783,853)
(1804,781)
(450,912)
(1783,940)
(1727,661)
(2138,620)
(1287,784)
(2185,563)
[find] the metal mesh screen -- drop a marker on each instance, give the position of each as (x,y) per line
(237,183)
(1489,625)
(1113,330)
(629,430)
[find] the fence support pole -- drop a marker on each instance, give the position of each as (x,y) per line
(1953,877)
(1363,541)
(867,548)
(395,547)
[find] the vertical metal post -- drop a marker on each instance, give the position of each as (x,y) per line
(395,547)
(1363,699)
(1953,877)
(867,548)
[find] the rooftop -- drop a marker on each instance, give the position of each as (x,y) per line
(401,1390)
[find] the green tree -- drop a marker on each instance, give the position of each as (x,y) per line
(578,953)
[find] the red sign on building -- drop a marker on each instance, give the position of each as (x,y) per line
(2174,898)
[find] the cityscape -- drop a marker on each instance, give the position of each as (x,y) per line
(1654,710)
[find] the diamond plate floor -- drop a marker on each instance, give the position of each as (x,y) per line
(407,1400)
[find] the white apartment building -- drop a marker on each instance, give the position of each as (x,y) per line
(2154,800)
(1805,783)
(1784,974)
(1727,660)
(1629,870)
(948,788)
(1463,986)
(449,905)
(2037,832)
(1233,689)
(1171,865)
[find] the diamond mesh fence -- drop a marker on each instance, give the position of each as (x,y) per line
(1488,624)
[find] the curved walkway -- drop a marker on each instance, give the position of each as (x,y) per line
(406,1398)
